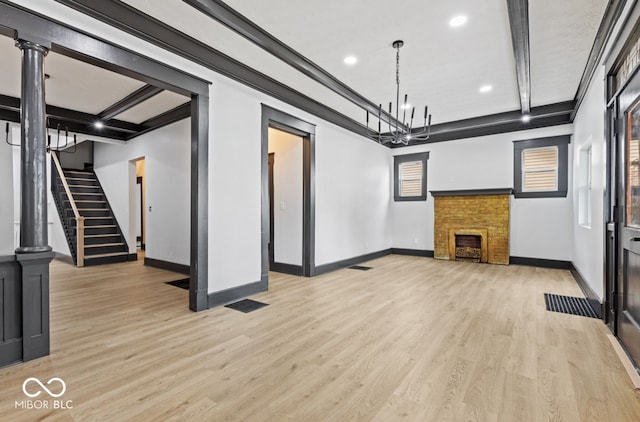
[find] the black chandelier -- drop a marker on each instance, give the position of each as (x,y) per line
(400,133)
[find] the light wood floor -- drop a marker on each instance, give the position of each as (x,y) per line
(412,339)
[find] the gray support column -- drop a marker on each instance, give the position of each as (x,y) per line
(34,253)
(33,132)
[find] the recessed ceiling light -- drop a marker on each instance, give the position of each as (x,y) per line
(98,125)
(458,21)
(351,60)
(405,106)
(526,118)
(485,88)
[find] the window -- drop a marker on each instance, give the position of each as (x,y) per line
(584,187)
(540,167)
(410,177)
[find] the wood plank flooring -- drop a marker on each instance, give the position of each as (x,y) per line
(413,339)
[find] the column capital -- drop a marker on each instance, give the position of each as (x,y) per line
(30,45)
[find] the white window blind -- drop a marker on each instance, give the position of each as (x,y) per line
(410,178)
(540,169)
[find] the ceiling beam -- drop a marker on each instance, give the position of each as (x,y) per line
(611,14)
(76,121)
(174,115)
(237,22)
(132,21)
(511,121)
(130,101)
(519,23)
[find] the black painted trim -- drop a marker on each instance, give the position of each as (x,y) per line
(412,252)
(592,298)
(492,124)
(472,192)
(237,22)
(399,159)
(272,117)
(130,101)
(167,265)
(540,262)
(338,265)
(168,117)
(562,142)
(132,257)
(279,267)
(11,311)
(519,23)
(133,21)
(145,27)
(76,121)
(224,297)
(605,30)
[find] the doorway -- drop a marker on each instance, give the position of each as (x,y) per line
(285,202)
(623,229)
(140,201)
(304,133)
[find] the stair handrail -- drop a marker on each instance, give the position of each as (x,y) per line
(76,213)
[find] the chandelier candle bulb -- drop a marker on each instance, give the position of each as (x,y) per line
(399,131)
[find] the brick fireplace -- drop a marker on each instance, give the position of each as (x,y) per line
(472,225)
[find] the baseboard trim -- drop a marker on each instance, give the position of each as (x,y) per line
(224,297)
(132,257)
(412,252)
(588,292)
(539,262)
(291,269)
(338,265)
(166,265)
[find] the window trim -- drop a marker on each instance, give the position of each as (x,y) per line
(399,159)
(562,143)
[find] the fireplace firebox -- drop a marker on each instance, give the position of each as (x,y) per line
(468,247)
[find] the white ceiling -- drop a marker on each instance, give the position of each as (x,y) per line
(441,66)
(79,86)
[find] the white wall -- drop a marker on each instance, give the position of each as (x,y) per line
(352,177)
(6,193)
(588,242)
(167,178)
(540,227)
(287,196)
(352,196)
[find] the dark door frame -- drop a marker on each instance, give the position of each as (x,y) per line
(274,118)
(140,181)
(272,258)
(18,22)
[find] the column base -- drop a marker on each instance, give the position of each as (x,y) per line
(35,304)
(33,249)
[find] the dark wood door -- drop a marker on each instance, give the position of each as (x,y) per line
(271,219)
(628,288)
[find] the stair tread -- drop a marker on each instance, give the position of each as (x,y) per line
(101,235)
(84,186)
(94,218)
(105,226)
(104,255)
(81,178)
(87,193)
(100,245)
(92,209)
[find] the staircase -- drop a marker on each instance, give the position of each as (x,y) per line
(101,239)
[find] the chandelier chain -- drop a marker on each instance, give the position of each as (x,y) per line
(400,132)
